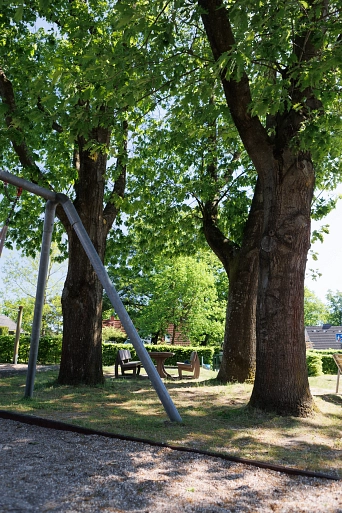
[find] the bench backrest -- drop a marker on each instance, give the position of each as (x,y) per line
(123,355)
(195,364)
(193,357)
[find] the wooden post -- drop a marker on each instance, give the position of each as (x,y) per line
(338,360)
(17,335)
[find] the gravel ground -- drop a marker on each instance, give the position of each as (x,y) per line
(44,470)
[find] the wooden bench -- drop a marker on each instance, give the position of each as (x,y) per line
(338,360)
(194,366)
(123,359)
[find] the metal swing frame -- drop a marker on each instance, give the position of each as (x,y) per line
(53,199)
(3,231)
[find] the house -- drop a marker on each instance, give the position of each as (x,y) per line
(323,337)
(113,323)
(8,323)
(178,338)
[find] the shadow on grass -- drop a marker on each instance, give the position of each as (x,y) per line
(215,417)
(332,398)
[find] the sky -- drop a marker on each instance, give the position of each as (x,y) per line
(329,264)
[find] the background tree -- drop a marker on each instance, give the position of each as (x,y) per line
(182,293)
(315,311)
(19,277)
(159,290)
(334,306)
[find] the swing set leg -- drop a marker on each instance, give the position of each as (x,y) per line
(3,237)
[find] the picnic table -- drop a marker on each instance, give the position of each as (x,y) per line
(160,357)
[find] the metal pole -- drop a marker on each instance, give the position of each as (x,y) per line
(17,335)
(107,285)
(102,274)
(50,211)
(28,186)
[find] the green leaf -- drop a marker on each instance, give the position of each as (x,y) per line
(19,13)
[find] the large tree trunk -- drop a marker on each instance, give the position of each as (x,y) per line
(241,265)
(81,360)
(281,382)
(239,347)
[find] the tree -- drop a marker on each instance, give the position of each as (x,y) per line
(182,293)
(20,276)
(334,308)
(65,103)
(280,97)
(315,311)
(191,153)
(188,292)
(192,158)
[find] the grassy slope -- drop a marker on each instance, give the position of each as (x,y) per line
(215,417)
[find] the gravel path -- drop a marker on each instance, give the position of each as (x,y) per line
(44,470)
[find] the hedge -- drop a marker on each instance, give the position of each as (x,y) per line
(314,364)
(50,348)
(326,358)
(49,352)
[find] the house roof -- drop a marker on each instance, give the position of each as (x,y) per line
(324,337)
(6,321)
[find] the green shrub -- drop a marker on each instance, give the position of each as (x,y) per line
(6,348)
(328,363)
(3,330)
(113,335)
(314,364)
(50,350)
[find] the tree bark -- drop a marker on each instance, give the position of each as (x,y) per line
(81,360)
(241,265)
(281,382)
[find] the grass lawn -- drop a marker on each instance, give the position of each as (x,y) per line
(215,416)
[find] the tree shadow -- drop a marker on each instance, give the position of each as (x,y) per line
(332,398)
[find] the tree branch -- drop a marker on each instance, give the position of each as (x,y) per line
(18,142)
(55,126)
(238,95)
(111,209)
